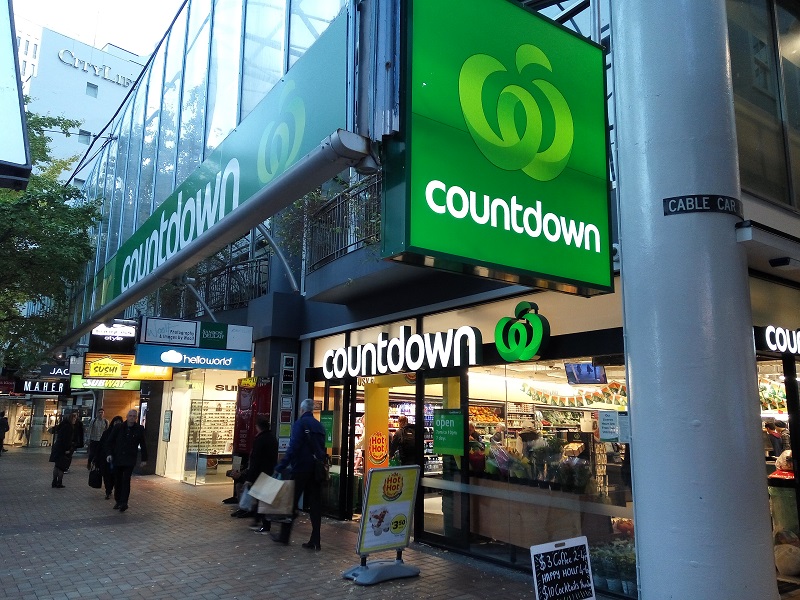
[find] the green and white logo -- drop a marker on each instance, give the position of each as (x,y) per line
(507,148)
(281,140)
(521,337)
(503,171)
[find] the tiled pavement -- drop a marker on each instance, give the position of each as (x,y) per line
(178,541)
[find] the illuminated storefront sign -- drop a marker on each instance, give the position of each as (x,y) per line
(504,172)
(777,339)
(122,366)
(78,382)
(193,358)
(452,348)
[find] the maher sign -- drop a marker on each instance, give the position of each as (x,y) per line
(505,170)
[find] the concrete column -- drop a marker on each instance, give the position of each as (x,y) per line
(700,494)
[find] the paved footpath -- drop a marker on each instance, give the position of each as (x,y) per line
(178,541)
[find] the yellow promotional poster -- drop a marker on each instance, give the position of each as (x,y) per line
(376,426)
(121,366)
(388,509)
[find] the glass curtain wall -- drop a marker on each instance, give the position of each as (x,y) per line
(218,61)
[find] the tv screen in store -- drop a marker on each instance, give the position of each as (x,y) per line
(583,373)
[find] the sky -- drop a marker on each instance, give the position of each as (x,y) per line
(134,25)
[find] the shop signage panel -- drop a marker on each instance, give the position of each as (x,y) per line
(193,358)
(115,339)
(40,387)
(54,372)
(122,366)
(504,173)
(389,497)
(328,420)
(196,334)
(562,570)
(448,431)
(703,203)
(80,383)
(288,123)
(777,339)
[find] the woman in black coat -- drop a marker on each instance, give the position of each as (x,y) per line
(101,460)
(63,446)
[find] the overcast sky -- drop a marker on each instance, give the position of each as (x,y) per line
(135,25)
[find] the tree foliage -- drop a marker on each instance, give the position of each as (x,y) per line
(45,244)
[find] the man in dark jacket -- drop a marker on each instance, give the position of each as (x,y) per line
(123,443)
(306,442)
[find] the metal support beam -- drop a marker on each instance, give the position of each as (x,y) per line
(340,150)
(265,232)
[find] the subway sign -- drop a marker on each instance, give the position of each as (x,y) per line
(504,171)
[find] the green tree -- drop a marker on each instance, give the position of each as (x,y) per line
(45,244)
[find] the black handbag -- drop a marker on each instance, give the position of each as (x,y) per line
(95,478)
(322,467)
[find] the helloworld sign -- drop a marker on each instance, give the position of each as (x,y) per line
(504,172)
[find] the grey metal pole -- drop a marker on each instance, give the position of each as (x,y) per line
(700,495)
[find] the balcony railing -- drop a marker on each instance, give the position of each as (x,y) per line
(229,287)
(350,221)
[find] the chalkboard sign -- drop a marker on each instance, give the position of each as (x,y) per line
(561,570)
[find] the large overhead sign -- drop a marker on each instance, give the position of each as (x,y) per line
(504,172)
(197,334)
(15,155)
(193,358)
(288,123)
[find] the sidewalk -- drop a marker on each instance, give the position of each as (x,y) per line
(178,541)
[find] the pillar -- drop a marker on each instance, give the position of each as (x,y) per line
(700,495)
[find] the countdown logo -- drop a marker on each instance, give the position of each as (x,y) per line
(522,337)
(393,487)
(378,450)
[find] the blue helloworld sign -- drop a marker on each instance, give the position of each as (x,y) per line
(192,358)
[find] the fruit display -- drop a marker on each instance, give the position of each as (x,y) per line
(615,393)
(482,414)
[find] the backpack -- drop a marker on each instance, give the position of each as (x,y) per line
(407,447)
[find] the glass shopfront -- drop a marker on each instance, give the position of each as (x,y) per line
(529,466)
(197,423)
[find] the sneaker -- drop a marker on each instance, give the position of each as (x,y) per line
(255,527)
(262,531)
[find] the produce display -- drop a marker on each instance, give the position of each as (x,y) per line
(615,393)
(482,414)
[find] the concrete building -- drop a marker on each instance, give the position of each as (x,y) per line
(65,77)
(271,158)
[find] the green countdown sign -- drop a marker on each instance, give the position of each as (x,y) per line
(448,431)
(504,168)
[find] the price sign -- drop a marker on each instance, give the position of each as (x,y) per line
(561,570)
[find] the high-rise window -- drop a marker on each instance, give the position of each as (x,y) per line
(91,90)
(35,50)
(27,44)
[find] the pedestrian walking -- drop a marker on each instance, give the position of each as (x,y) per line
(3,428)
(307,441)
(101,460)
(77,438)
(63,447)
(263,458)
(123,443)
(97,427)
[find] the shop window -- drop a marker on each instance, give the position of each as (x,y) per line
(91,90)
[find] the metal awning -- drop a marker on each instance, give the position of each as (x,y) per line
(770,251)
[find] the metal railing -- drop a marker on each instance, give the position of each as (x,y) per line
(230,287)
(350,221)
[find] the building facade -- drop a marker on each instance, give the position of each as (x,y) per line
(256,172)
